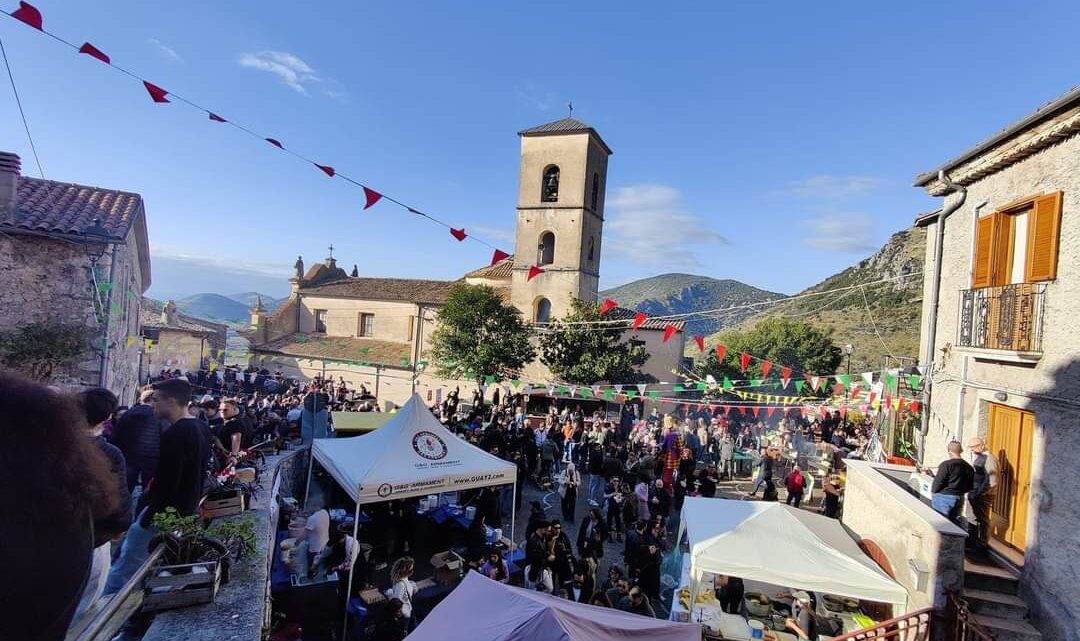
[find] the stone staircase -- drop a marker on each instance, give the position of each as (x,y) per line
(991,595)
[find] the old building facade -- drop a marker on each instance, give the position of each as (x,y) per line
(1005,358)
(79,256)
(176,341)
(375,331)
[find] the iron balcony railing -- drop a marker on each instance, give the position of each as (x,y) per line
(1009,317)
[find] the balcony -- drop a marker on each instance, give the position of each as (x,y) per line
(1008,318)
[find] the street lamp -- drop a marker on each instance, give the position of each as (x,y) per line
(848,349)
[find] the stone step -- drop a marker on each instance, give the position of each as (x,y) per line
(1007,629)
(1002,582)
(997,604)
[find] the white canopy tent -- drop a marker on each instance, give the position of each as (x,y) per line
(412,454)
(777,544)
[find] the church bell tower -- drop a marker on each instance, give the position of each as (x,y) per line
(560,217)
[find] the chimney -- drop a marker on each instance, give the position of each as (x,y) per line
(9,180)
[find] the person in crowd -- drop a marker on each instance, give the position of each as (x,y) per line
(637,602)
(403,588)
(591,536)
(391,624)
(765,472)
(537,519)
(659,500)
(795,483)
(568,489)
(729,592)
(563,551)
(952,481)
(55,482)
(138,436)
(495,567)
(234,425)
(614,499)
(802,621)
(641,494)
(580,587)
(619,591)
(830,504)
(476,539)
(98,404)
(727,457)
(707,481)
(185,451)
(342,555)
(984,488)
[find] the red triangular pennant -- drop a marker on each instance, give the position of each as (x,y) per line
(327,169)
(727,408)
(720,349)
(756,410)
(639,320)
(215,117)
(669,331)
(914,406)
(370,197)
(157,94)
(499,255)
(838,389)
(534,271)
(458,233)
(843,411)
(744,360)
(742,410)
(700,340)
(766,367)
(29,14)
(770,410)
(607,306)
(275,142)
(94,52)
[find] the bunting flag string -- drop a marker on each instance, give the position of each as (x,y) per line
(32,17)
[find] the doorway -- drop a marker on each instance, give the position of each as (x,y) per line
(1009,440)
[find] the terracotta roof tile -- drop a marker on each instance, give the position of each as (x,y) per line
(397,289)
(621,313)
(502,269)
(51,206)
(353,350)
(150,315)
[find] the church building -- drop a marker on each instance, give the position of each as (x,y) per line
(375,330)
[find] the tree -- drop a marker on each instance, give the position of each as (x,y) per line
(796,344)
(584,354)
(479,336)
(37,349)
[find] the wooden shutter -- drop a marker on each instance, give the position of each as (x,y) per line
(1044,228)
(984,252)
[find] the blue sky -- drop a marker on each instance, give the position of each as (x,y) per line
(771,142)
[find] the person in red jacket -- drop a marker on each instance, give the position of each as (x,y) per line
(796,486)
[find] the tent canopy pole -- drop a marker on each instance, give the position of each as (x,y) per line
(352,566)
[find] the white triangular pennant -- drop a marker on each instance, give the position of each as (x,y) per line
(595,390)
(868,377)
(618,389)
(641,388)
(527,390)
(573,390)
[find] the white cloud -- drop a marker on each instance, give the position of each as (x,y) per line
(164,49)
(531,96)
(229,264)
(841,232)
(834,187)
(292,71)
(650,224)
(499,234)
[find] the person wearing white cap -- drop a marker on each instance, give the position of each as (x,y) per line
(802,621)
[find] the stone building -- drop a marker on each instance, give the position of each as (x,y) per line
(1005,356)
(178,341)
(77,255)
(560,213)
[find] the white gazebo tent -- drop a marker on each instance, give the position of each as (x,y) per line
(412,454)
(784,546)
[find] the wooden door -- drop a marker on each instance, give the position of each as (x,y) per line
(1010,441)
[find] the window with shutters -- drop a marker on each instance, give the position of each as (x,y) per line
(1018,244)
(366,326)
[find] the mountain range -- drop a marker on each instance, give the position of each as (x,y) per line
(685,293)
(235,308)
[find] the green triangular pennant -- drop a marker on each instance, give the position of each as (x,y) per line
(890,381)
(702,387)
(799,384)
(654,395)
(515,382)
(728,385)
(609,394)
(564,390)
(915,381)
(679,388)
(756,382)
(844,380)
(489,380)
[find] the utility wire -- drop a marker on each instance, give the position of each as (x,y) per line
(866,304)
(18,101)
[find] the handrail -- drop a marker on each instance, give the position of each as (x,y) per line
(913,626)
(963,628)
(103,619)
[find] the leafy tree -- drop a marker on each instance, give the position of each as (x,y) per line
(797,344)
(37,349)
(587,354)
(478,336)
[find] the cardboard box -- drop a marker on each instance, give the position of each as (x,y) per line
(448,567)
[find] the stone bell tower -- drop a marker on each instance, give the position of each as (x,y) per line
(560,217)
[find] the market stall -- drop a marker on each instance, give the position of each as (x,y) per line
(410,455)
(480,608)
(775,549)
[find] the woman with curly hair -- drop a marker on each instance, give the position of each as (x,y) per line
(54,483)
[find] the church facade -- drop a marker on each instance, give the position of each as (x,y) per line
(376,331)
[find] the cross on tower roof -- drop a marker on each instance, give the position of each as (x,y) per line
(331,248)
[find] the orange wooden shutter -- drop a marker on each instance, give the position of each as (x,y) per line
(984,251)
(1044,228)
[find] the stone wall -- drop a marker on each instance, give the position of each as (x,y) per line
(912,533)
(967,381)
(45,279)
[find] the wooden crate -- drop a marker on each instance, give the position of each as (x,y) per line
(184,588)
(223,504)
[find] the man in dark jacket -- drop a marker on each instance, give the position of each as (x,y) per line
(138,435)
